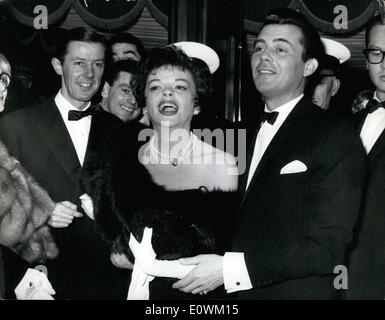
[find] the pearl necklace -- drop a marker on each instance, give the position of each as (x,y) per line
(162,159)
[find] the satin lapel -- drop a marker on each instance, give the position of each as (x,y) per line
(56,136)
(279,141)
(250,150)
(93,137)
(378,149)
(359,119)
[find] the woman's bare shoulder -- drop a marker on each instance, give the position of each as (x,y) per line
(221,167)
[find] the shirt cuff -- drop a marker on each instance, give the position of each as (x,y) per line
(235,275)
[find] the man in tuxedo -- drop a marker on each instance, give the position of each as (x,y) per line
(302,187)
(367,259)
(53,141)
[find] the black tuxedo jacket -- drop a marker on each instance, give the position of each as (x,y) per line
(38,138)
(367,258)
(294,228)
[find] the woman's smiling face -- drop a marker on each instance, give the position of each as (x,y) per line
(170,97)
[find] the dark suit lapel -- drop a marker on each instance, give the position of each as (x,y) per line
(95,137)
(55,134)
(378,148)
(250,150)
(279,141)
(359,119)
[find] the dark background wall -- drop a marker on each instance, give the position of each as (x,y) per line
(229,26)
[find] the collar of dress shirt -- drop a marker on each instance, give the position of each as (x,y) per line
(285,109)
(375,97)
(64,106)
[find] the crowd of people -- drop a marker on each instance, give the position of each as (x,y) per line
(108,189)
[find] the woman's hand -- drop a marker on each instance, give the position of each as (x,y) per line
(143,252)
(145,256)
(121,261)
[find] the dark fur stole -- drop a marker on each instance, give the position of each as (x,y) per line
(185,223)
(24,211)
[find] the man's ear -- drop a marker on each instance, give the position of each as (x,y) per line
(311,66)
(105,90)
(335,87)
(56,64)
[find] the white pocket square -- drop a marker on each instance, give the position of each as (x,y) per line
(293,167)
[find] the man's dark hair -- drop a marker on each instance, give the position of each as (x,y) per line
(126,37)
(76,34)
(176,58)
(112,71)
(373,21)
(312,44)
(311,41)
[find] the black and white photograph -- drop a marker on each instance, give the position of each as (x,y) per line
(192,154)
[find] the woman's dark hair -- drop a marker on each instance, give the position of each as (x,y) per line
(173,57)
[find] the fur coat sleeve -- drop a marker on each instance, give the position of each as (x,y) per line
(24,212)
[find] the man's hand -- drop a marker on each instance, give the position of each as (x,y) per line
(63,214)
(34,286)
(205,277)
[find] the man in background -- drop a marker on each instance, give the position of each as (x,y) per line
(5,80)
(124,46)
(367,258)
(328,80)
(117,95)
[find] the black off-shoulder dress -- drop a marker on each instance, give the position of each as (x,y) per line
(185,223)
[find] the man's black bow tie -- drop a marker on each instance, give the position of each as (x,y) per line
(373,105)
(74,115)
(270,117)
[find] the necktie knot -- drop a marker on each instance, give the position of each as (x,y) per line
(373,105)
(74,115)
(270,117)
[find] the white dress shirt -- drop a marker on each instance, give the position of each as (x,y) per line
(267,132)
(373,126)
(235,274)
(78,130)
